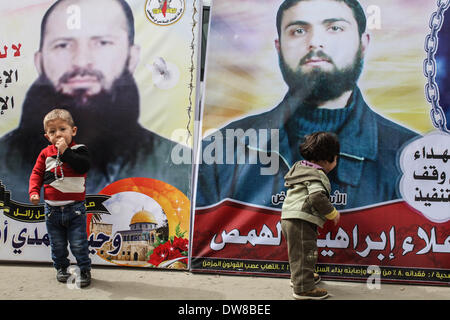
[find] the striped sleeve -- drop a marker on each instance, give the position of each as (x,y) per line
(78,158)
(37,174)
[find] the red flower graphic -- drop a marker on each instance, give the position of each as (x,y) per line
(181,244)
(169,251)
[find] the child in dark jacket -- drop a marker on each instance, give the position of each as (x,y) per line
(62,168)
(307,206)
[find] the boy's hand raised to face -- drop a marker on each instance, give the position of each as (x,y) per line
(61,145)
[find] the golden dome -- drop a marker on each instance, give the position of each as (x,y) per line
(143,216)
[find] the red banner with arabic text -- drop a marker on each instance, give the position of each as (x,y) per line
(395,237)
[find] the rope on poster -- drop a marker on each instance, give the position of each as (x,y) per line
(191,85)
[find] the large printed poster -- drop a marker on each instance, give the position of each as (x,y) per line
(374,73)
(126,70)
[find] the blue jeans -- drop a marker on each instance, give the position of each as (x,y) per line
(67,224)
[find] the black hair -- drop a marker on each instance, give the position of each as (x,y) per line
(123,4)
(320,146)
(358,13)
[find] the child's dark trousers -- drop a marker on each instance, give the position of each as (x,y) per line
(301,237)
(67,225)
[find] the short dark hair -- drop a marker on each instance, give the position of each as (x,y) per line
(123,4)
(320,146)
(358,13)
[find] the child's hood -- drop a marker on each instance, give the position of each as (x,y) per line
(302,171)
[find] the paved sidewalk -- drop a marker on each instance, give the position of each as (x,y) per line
(26,281)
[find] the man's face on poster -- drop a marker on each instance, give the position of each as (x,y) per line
(85,50)
(319,40)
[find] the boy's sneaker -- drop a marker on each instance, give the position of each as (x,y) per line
(62,275)
(85,278)
(314,294)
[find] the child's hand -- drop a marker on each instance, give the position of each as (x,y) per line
(34,199)
(61,145)
(336,219)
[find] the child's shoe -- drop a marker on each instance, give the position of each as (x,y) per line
(62,275)
(85,278)
(314,294)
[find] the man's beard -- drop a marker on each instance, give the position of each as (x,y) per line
(107,122)
(318,86)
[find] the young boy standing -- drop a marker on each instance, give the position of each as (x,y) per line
(62,168)
(307,206)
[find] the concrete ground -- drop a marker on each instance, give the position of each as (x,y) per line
(36,281)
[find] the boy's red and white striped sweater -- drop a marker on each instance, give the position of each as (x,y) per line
(75,165)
